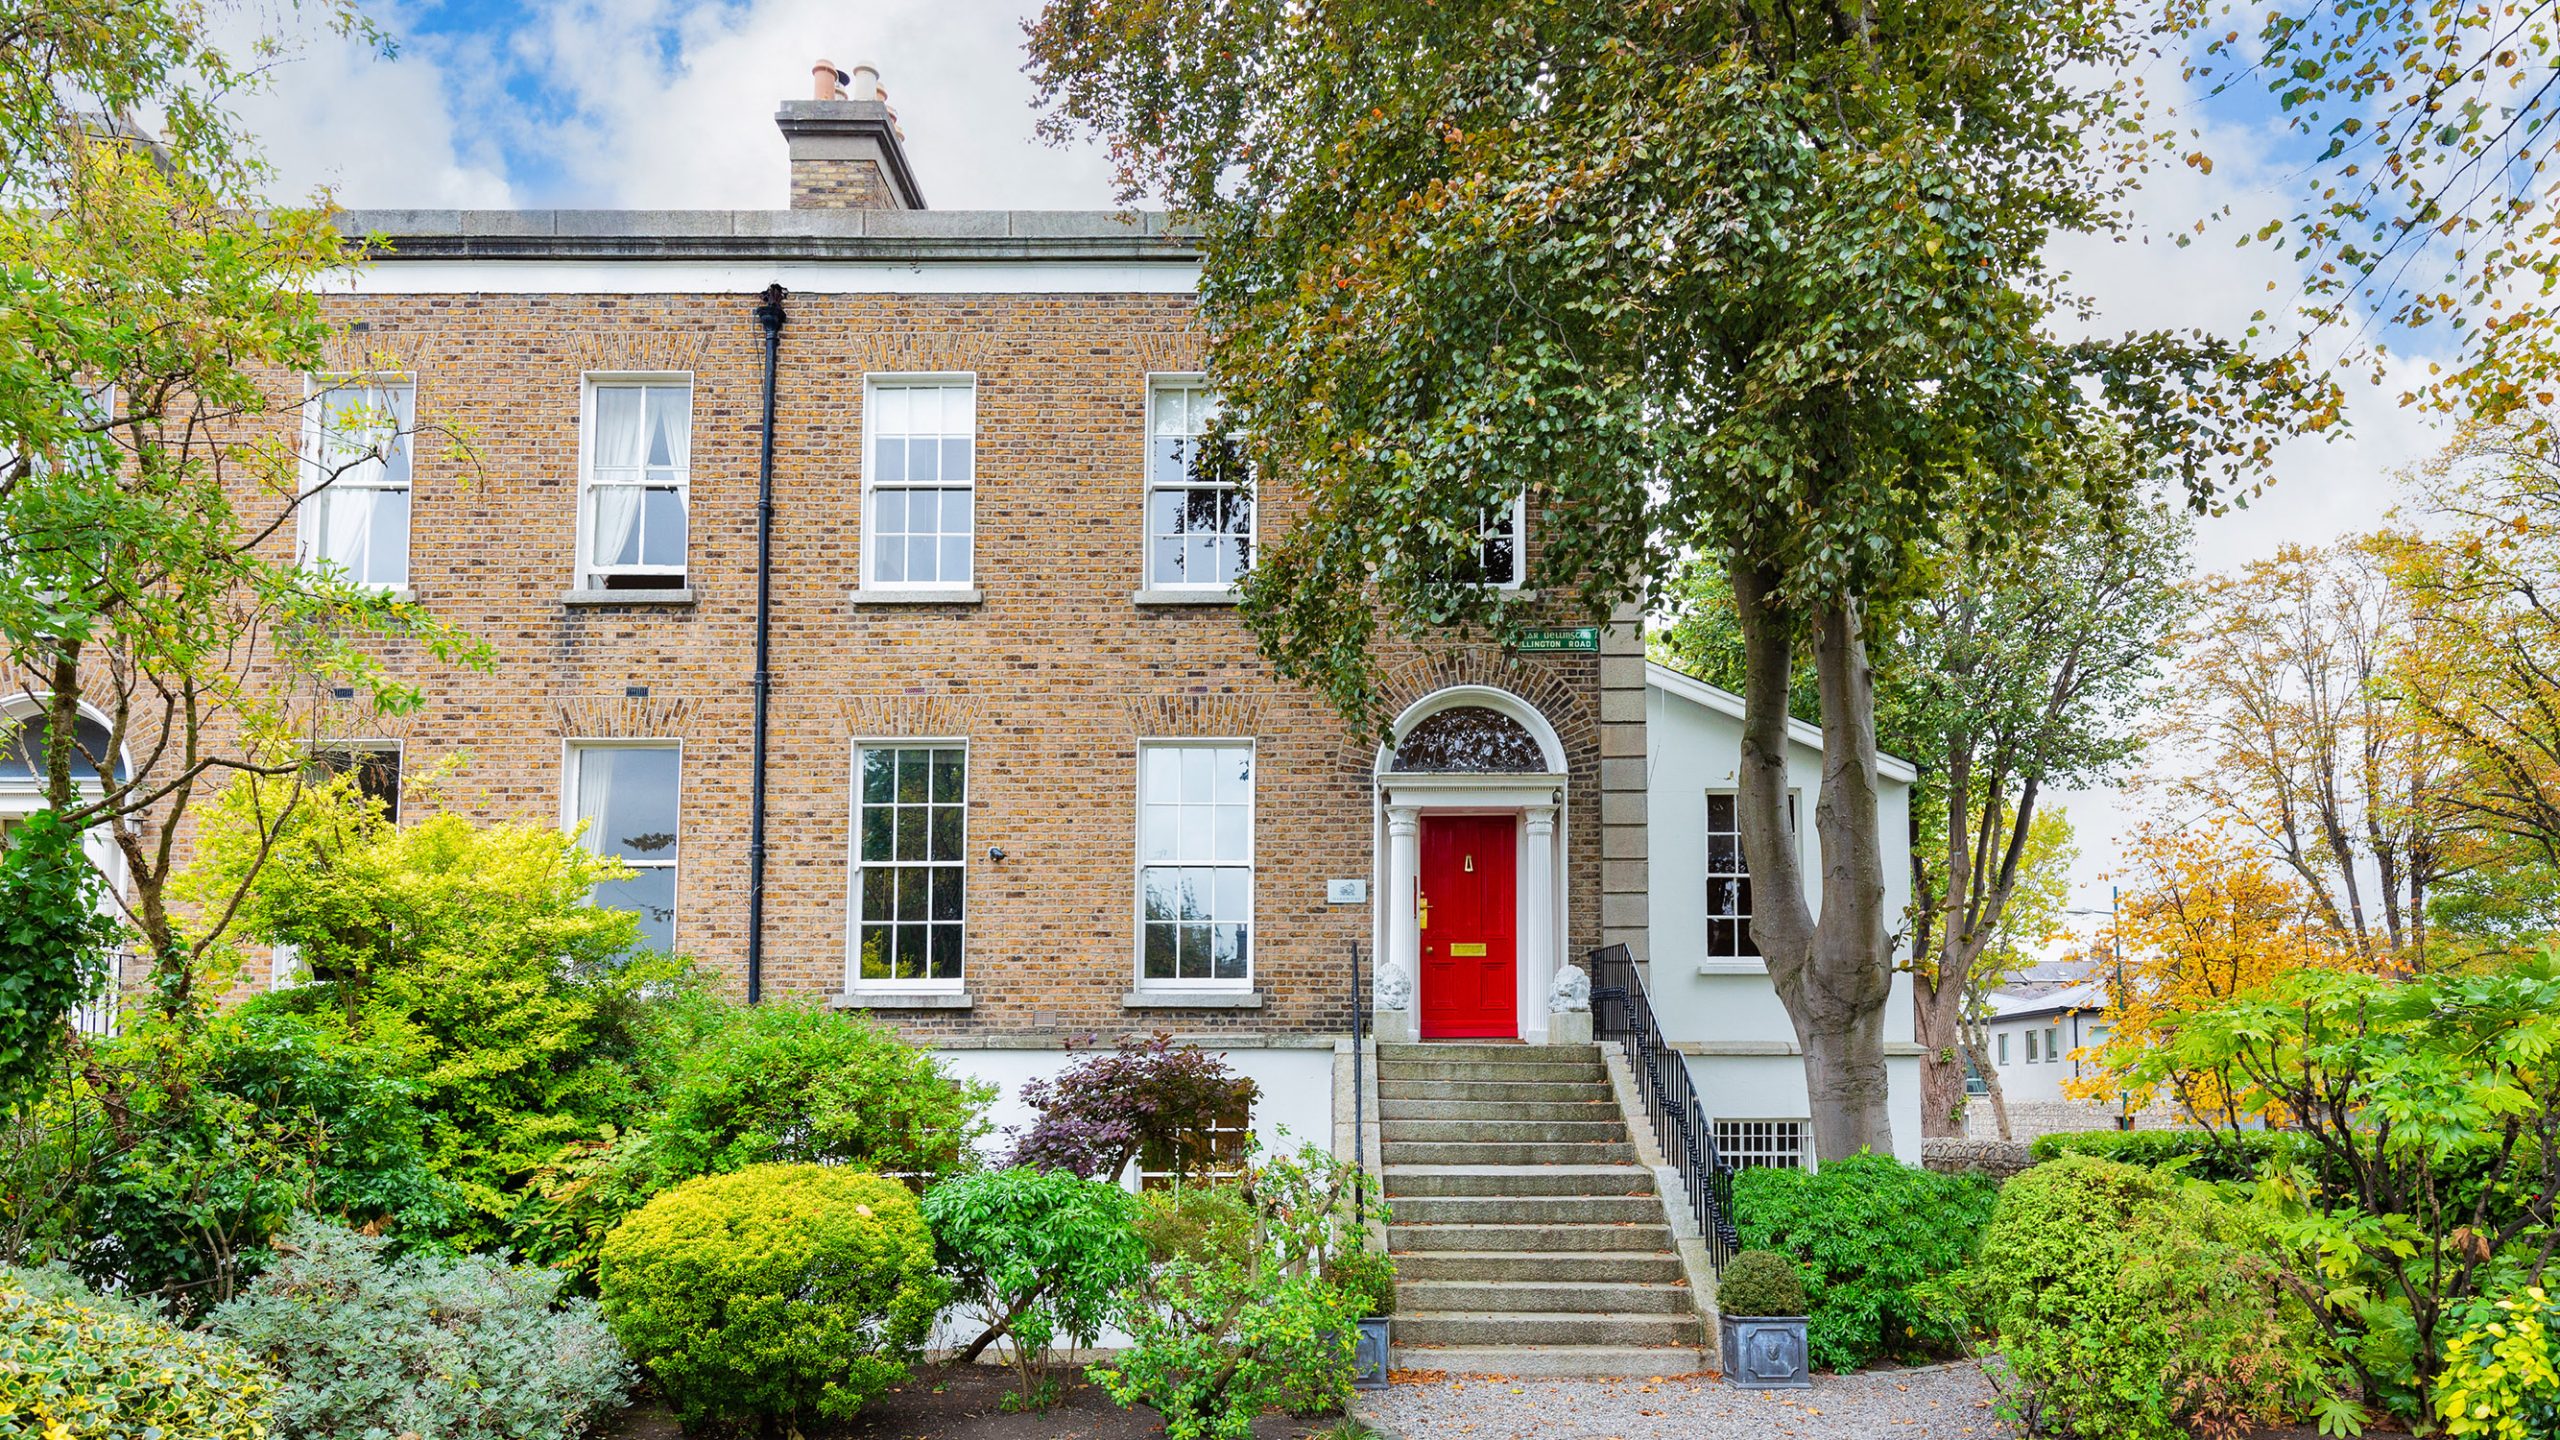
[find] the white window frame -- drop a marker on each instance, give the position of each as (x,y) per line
(314,483)
(854,980)
(1777,1153)
(585,574)
(572,749)
(2052,1044)
(2003,1044)
(872,385)
(1252,867)
(368,745)
(2031,1046)
(1159,380)
(1706,877)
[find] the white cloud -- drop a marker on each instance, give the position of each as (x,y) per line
(377,133)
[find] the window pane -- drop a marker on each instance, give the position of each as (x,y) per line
(1235,891)
(629,796)
(958,509)
(1191,960)
(662,528)
(1159,888)
(877,944)
(911,833)
(879,894)
(948,771)
(946,892)
(911,952)
(650,894)
(1199,774)
(956,459)
(1227,952)
(924,461)
(946,952)
(891,508)
(888,557)
(924,511)
(946,832)
(955,559)
(914,776)
(388,562)
(890,407)
(879,775)
(1160,952)
(915,885)
(1234,834)
(1166,557)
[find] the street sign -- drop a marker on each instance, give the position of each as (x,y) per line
(1571,638)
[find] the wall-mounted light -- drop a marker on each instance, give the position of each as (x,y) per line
(995,852)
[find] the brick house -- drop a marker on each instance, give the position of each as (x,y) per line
(1026,784)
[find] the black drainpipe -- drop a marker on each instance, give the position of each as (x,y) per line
(768,315)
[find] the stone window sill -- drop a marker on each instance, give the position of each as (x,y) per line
(1733,967)
(1183,597)
(583,598)
(892,596)
(903,1000)
(1192,1000)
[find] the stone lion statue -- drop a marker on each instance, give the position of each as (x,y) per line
(1394,991)
(1571,991)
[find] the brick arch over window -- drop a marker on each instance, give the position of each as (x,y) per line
(626,718)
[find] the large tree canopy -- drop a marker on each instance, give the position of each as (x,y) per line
(1757,280)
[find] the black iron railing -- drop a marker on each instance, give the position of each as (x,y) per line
(1359,1087)
(1622,1011)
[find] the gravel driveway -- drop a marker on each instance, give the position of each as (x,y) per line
(1938,1402)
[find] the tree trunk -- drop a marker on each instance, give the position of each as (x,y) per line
(1834,974)
(1937,1016)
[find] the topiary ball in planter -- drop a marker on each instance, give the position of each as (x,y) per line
(780,1293)
(1760,1321)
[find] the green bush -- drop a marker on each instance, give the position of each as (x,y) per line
(1760,1284)
(78,1370)
(52,940)
(230,1127)
(2502,1376)
(1869,1232)
(1368,1276)
(784,1082)
(1205,1224)
(446,1349)
(1037,1256)
(2235,1156)
(1218,1340)
(2132,1305)
(780,1292)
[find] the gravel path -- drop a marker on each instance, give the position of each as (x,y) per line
(1939,1402)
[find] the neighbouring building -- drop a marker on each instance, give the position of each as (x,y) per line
(1029,785)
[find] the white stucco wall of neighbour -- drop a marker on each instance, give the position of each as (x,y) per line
(1722,1011)
(1295,1107)
(2022,1081)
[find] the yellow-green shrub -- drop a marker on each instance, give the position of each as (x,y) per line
(779,1291)
(2502,1376)
(80,1370)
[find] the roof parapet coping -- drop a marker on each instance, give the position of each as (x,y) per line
(848,234)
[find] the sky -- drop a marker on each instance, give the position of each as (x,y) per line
(669,103)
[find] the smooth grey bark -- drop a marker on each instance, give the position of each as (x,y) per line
(1832,971)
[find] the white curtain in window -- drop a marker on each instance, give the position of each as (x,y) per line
(595,787)
(671,447)
(617,454)
(346,519)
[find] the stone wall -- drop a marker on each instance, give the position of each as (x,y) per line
(1999,1159)
(2031,1118)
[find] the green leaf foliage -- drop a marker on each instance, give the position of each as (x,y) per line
(1766,282)
(468,951)
(2224,1155)
(731,1085)
(2426,1111)
(1761,1284)
(2502,1375)
(73,1369)
(470,1348)
(1869,1231)
(52,944)
(2131,1305)
(1221,1333)
(222,1132)
(784,1293)
(1036,1257)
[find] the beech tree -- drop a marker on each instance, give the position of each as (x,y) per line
(1757,280)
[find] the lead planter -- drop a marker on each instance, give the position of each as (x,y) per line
(1765,1352)
(1369,1354)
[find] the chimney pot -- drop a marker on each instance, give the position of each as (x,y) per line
(827,81)
(847,149)
(864,84)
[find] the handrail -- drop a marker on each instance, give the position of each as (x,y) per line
(1622,1010)
(1359,1087)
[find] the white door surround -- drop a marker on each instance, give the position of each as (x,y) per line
(1536,797)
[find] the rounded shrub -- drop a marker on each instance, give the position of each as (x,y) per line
(777,1292)
(2133,1305)
(1760,1284)
(69,1368)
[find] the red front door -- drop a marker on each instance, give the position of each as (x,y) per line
(1470,928)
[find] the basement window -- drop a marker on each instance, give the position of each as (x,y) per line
(1761,1144)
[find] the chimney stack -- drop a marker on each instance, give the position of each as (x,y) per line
(847,152)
